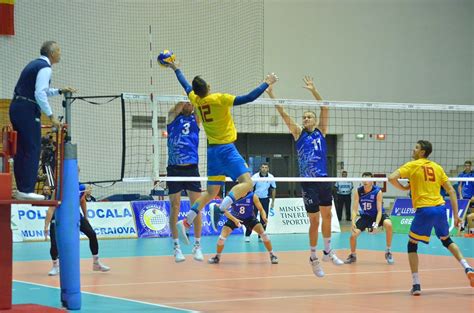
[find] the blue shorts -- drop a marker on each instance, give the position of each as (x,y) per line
(222,161)
(425,219)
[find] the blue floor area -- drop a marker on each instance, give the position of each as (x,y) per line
(49,296)
(24,292)
(35,251)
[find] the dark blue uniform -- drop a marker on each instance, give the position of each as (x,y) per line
(243,210)
(25,116)
(368,208)
(312,152)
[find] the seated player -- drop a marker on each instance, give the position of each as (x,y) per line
(369,198)
(85,227)
(242,212)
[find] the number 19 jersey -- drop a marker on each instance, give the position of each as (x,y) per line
(426,178)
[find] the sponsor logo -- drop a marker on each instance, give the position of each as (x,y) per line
(109,213)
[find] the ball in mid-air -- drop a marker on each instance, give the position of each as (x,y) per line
(166,57)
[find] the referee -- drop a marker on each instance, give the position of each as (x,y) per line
(343,199)
(263,189)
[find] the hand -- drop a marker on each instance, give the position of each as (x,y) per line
(46,233)
(265,220)
(354,227)
(457,222)
(237,223)
(309,84)
(68,89)
(374,229)
(271,79)
(55,122)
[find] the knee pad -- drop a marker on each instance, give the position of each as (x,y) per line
(221,241)
(264,237)
(412,247)
(446,242)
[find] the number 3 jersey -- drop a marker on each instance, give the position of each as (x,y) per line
(243,208)
(426,178)
(183,140)
(368,201)
(311,149)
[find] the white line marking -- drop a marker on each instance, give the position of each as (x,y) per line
(112,297)
(318,295)
(264,277)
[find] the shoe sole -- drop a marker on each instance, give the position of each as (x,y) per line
(416,293)
(470,276)
(182,233)
(179,260)
(211,215)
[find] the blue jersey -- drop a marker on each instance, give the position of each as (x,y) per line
(243,208)
(368,201)
(467,186)
(311,149)
(183,140)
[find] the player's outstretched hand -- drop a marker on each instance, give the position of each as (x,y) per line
(309,83)
(269,91)
(271,79)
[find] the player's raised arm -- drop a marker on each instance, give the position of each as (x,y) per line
(294,128)
(180,76)
(257,92)
(324,114)
(175,111)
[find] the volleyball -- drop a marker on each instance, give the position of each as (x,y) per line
(166,57)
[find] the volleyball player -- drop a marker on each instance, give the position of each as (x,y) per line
(242,212)
(426,178)
(223,159)
(369,199)
(311,149)
(183,160)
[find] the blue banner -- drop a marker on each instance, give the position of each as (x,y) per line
(152,218)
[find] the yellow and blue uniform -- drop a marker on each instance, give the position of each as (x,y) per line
(214,110)
(426,178)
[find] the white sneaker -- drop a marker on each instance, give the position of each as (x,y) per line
(331,256)
(247,238)
(99,267)
(316,266)
(27,196)
(178,255)
(54,270)
(197,254)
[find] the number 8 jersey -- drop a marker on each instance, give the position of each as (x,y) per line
(426,178)
(183,140)
(243,208)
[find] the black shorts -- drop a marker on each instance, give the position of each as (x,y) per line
(186,171)
(366,221)
(249,223)
(316,194)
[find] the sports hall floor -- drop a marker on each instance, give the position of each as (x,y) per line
(145,278)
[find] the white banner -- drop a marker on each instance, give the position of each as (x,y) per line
(108,219)
(289,217)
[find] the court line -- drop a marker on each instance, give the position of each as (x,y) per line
(112,297)
(263,277)
(317,295)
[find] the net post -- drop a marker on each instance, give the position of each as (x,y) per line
(155,138)
(67,222)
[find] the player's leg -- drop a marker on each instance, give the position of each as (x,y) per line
(387,225)
(248,231)
(258,228)
(420,230)
(347,204)
(53,251)
(323,191)
(442,231)
(225,232)
(175,200)
(339,201)
(197,252)
(87,229)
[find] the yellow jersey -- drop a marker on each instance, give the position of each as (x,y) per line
(214,111)
(426,178)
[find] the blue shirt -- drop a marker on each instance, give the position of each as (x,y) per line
(262,188)
(183,140)
(368,201)
(243,208)
(467,186)
(312,151)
